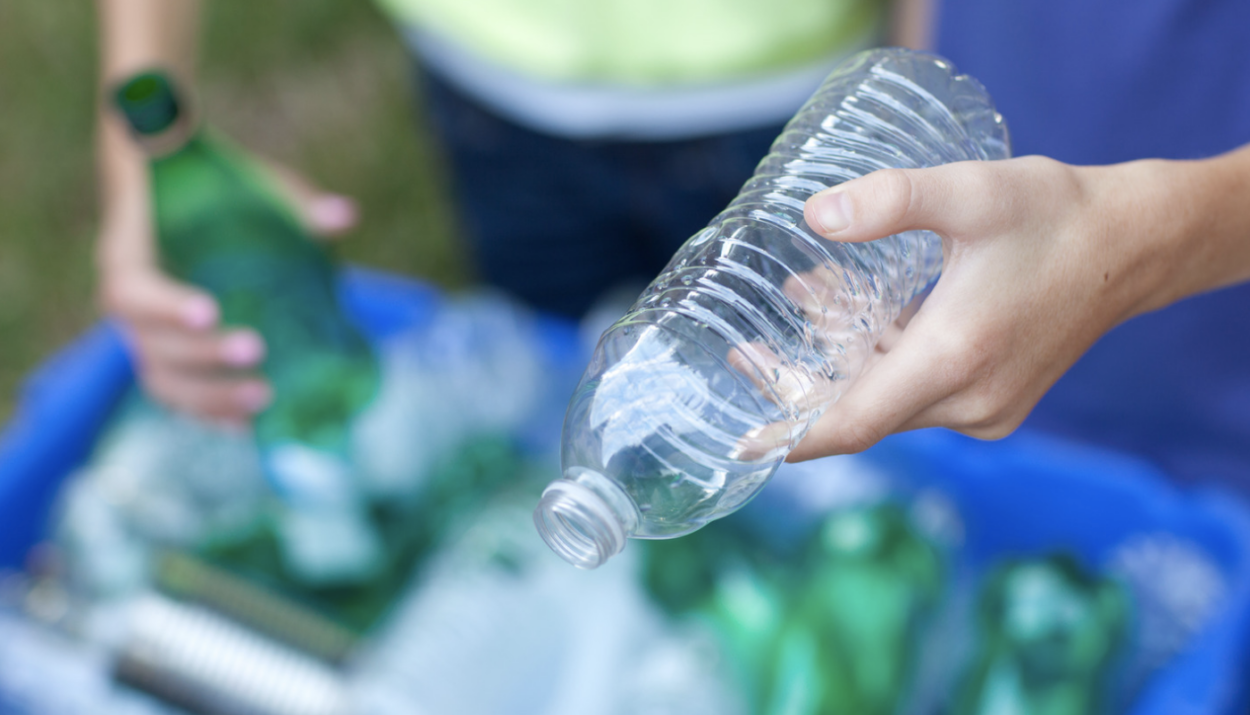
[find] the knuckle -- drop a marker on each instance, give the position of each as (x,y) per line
(894,194)
(173,389)
(988,414)
(1036,162)
(982,201)
(978,182)
(993,430)
(978,179)
(980,409)
(1031,172)
(143,349)
(160,351)
(159,384)
(857,435)
(113,298)
(964,361)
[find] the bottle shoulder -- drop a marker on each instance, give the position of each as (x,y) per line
(207,185)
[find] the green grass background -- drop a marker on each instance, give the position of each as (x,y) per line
(321,85)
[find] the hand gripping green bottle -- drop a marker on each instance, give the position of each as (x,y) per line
(1049,634)
(221,225)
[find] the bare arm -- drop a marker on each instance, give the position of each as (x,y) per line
(1210,231)
(135,35)
(911,23)
(1041,259)
(184,359)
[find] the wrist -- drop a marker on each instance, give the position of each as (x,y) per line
(1156,221)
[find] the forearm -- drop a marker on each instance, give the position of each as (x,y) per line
(134,35)
(911,23)
(1190,220)
(1218,237)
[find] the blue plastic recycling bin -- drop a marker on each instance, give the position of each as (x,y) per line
(1018,496)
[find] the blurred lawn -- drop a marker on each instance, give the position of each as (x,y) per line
(321,85)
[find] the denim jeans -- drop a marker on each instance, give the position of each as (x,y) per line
(556,222)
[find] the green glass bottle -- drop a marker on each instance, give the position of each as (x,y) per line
(221,225)
(1049,633)
(832,629)
(872,581)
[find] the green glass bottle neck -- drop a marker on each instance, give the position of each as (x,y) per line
(152,107)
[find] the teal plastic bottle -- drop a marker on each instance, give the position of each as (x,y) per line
(834,629)
(1049,634)
(221,225)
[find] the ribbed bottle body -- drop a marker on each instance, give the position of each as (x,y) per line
(757,325)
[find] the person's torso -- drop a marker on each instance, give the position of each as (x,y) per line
(637,69)
(643,42)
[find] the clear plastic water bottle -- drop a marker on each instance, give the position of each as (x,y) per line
(758,324)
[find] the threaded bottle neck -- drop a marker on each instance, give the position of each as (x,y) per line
(585,518)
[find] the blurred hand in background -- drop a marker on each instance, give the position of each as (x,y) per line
(185,357)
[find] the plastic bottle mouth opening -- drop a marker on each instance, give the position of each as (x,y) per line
(578,524)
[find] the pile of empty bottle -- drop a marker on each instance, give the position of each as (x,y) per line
(840,590)
(386,564)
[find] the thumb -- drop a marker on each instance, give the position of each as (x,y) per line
(330,214)
(324,213)
(890,201)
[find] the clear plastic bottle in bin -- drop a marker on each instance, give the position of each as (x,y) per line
(758,324)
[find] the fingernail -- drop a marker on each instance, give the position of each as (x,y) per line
(255,396)
(832,212)
(199,313)
(242,349)
(333,213)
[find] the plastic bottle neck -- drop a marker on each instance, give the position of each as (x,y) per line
(585,518)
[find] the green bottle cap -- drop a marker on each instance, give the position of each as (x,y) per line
(149,102)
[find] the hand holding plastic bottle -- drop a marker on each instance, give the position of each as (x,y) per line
(767,326)
(1040,259)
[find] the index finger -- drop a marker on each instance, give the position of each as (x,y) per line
(148,298)
(887,398)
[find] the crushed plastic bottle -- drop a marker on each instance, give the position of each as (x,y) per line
(757,325)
